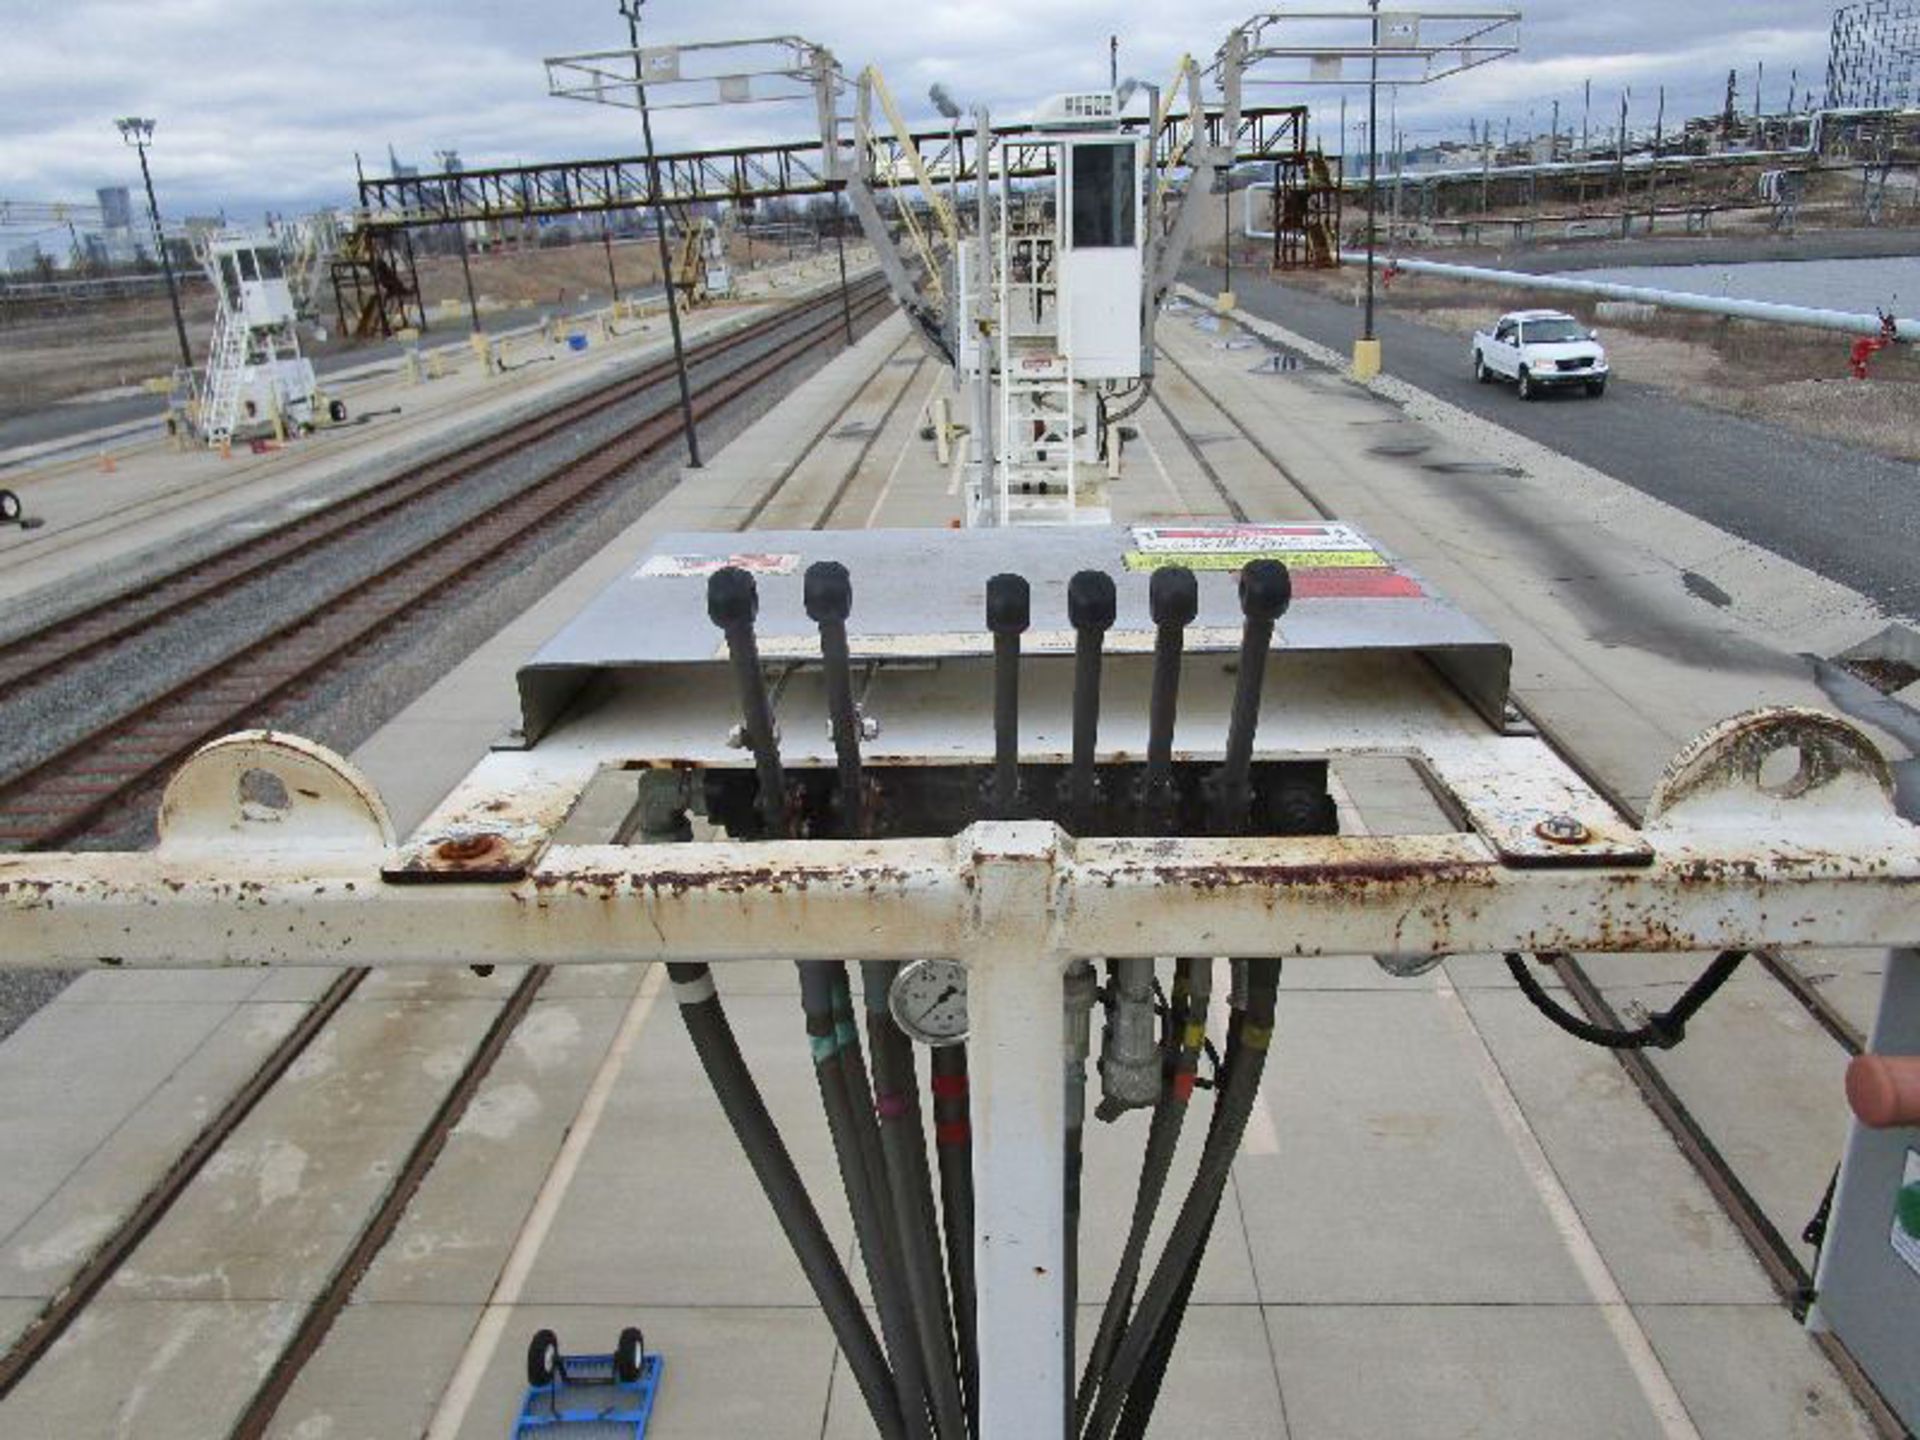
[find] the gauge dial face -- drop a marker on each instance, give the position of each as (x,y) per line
(929,1000)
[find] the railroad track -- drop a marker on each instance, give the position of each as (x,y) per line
(119,762)
(1772,1249)
(107,1259)
(51,648)
(258,1417)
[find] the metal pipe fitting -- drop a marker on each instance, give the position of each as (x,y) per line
(1130,1056)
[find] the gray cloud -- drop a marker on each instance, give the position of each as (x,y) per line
(264,104)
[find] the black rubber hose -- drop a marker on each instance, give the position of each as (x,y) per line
(896,1100)
(1009,610)
(1265,591)
(820,982)
(953,1144)
(733,603)
(1234,1103)
(828,594)
(1173,598)
(909,1367)
(1663,1030)
(713,1041)
(1091,606)
(1143,1394)
(1185,1030)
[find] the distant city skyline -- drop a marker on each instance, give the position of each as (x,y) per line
(322,83)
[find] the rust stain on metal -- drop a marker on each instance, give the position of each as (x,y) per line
(463,850)
(1563,830)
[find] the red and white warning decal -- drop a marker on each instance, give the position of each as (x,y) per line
(1252,541)
(1325,561)
(687,567)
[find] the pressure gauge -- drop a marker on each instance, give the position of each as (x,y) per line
(929,1000)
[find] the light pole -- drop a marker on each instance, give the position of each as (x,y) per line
(631,10)
(138,132)
(1366,353)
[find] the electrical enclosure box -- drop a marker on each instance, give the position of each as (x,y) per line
(1101,274)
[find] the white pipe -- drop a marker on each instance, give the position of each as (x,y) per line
(1845,321)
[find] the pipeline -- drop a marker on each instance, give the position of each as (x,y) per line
(1847,322)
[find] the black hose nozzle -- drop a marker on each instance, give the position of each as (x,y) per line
(828,595)
(733,603)
(827,592)
(732,597)
(1173,600)
(1265,591)
(1009,612)
(1091,606)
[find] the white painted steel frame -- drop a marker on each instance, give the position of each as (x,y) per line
(1725,863)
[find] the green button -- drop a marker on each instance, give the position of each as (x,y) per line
(1907,1208)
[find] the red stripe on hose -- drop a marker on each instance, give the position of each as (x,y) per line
(949,1087)
(1183,1085)
(889,1107)
(952,1132)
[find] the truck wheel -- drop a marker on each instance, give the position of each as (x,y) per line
(543,1358)
(629,1356)
(1596,388)
(1524,386)
(1480,369)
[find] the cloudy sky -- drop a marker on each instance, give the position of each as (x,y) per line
(263,103)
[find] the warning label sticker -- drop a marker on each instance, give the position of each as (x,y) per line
(687,567)
(1327,561)
(1235,559)
(1906,1214)
(1251,541)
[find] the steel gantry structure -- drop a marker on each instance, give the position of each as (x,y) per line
(750,172)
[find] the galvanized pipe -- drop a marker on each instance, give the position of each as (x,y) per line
(1845,321)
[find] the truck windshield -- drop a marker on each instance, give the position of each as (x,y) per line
(1552,332)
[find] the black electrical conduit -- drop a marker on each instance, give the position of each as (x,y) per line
(828,599)
(1147,1344)
(896,1099)
(713,1041)
(1144,1393)
(1185,1029)
(903,1178)
(898,1408)
(1149,1336)
(1663,1030)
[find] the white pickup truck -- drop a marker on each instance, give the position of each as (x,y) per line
(1540,350)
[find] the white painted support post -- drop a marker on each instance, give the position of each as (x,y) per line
(1018,1119)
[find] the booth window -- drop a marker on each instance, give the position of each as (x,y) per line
(1103,196)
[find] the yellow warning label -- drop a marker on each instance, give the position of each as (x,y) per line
(1293,560)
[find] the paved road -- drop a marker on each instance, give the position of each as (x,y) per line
(1843,513)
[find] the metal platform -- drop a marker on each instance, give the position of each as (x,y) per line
(1438,1180)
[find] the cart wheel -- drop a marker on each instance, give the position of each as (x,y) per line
(337,411)
(9,505)
(543,1358)
(629,1356)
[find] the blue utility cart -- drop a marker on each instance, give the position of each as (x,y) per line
(572,1397)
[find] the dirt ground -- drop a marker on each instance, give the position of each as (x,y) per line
(120,345)
(1797,378)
